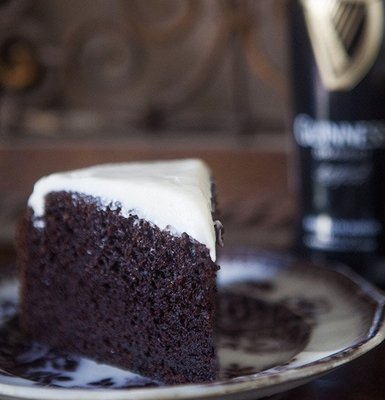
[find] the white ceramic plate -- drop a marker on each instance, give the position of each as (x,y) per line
(283,322)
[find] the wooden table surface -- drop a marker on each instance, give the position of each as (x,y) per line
(362,379)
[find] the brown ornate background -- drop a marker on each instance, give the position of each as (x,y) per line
(118,66)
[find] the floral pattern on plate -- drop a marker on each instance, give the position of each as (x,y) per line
(282,322)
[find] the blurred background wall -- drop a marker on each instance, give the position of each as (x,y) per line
(118,66)
(86,81)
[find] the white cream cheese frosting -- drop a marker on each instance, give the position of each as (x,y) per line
(174,195)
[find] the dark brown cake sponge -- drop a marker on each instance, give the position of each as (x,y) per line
(118,290)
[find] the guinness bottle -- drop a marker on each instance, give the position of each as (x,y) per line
(338,74)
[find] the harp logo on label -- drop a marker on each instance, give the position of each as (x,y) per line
(346,36)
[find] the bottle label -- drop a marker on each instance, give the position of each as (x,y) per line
(334,234)
(346,37)
(335,138)
(339,183)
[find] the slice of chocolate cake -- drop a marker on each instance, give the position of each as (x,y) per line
(118,264)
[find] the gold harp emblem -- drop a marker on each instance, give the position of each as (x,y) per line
(346,37)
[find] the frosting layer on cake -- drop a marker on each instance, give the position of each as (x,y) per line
(173,195)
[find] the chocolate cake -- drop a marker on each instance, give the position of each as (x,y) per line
(118,264)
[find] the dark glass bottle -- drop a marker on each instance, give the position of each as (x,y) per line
(338,75)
